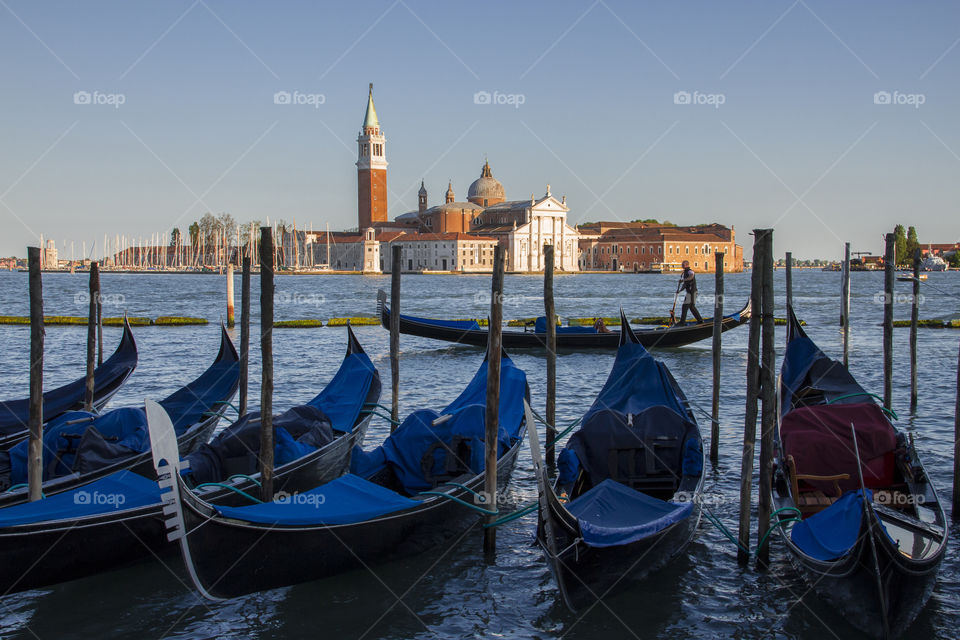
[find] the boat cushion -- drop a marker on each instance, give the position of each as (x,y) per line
(831,533)
(611,514)
(297,432)
(120,490)
(346,500)
(821,443)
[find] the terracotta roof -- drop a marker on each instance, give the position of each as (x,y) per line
(433,237)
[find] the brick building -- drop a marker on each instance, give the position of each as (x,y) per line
(645,247)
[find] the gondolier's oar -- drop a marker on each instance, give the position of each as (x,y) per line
(673,309)
(868,513)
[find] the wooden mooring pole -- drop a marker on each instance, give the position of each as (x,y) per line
(91,339)
(95,282)
(768,394)
(492,422)
(750,418)
(230,321)
(955,510)
(889,264)
(789,277)
(550,313)
(266,352)
(245,336)
(717,342)
(914,320)
(845,304)
(35,446)
(395,266)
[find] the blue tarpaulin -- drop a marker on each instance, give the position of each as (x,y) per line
(466,325)
(831,533)
(121,490)
(346,500)
(611,514)
(343,397)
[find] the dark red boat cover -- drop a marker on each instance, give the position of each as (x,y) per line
(820,441)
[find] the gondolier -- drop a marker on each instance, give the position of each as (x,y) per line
(688,283)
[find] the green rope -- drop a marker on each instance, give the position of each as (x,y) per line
(889,412)
(778,523)
(712,519)
(510,517)
(248,478)
(377,404)
(715,521)
(23,485)
(231,488)
(387,418)
(228,404)
(459,501)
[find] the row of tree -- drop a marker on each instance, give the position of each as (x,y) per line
(906,245)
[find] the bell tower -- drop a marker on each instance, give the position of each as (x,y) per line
(371,170)
(422,198)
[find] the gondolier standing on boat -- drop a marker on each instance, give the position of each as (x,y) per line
(688,283)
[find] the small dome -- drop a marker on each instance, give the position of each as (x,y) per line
(486,190)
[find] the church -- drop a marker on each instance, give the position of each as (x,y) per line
(456,235)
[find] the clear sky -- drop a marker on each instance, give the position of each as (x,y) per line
(782,127)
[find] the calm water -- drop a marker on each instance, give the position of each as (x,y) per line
(452,592)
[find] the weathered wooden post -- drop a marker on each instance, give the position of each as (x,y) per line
(789,277)
(95,282)
(768,393)
(230,322)
(35,446)
(753,379)
(889,264)
(244,336)
(845,304)
(717,341)
(955,510)
(91,339)
(395,266)
(914,320)
(266,351)
(493,398)
(550,313)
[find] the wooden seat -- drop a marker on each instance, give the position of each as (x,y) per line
(812,501)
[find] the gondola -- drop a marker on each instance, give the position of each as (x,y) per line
(402,498)
(626,500)
(80,447)
(469,332)
(856,509)
(108,378)
(119,518)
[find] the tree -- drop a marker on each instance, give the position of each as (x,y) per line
(912,243)
(175,237)
(900,246)
(954,260)
(194,231)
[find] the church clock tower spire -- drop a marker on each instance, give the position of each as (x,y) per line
(371,169)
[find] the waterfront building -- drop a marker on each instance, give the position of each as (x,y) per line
(640,247)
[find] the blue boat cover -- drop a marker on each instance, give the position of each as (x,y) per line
(831,533)
(611,514)
(540,326)
(466,325)
(636,382)
(14,414)
(343,397)
(805,365)
(122,490)
(346,500)
(418,451)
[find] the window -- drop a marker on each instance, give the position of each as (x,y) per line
(688,250)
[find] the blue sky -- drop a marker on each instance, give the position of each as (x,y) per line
(797,143)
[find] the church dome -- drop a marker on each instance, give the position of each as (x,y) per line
(486,190)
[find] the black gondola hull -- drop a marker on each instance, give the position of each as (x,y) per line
(665,337)
(233,558)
